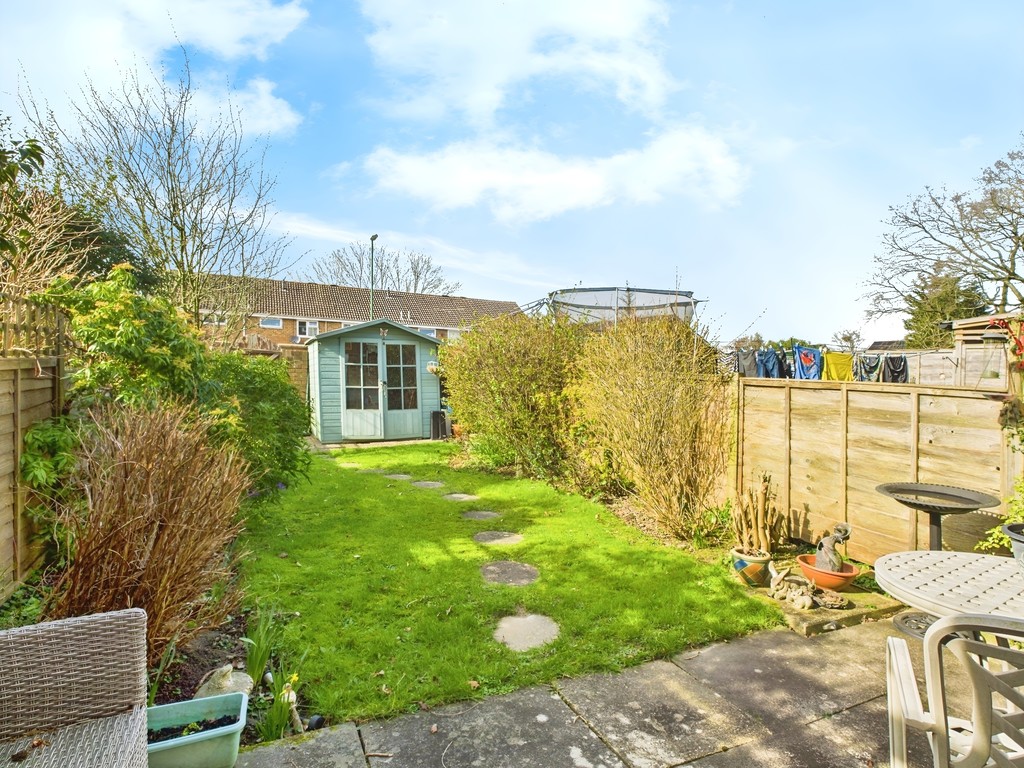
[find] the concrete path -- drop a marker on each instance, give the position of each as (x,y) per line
(771,699)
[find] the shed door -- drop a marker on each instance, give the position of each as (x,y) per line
(402,415)
(361,417)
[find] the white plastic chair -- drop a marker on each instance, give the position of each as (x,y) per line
(993,735)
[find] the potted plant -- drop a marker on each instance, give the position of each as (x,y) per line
(756,523)
(826,566)
(203,733)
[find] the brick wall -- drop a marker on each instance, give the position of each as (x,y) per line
(297,357)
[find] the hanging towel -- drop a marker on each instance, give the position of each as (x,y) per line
(895,369)
(746,362)
(726,361)
(769,364)
(806,362)
(837,366)
(867,367)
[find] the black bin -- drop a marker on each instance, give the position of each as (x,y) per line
(440,425)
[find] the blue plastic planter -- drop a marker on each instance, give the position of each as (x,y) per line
(209,749)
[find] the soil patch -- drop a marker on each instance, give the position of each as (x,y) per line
(195,661)
(199,726)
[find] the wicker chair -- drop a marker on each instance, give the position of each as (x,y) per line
(73,692)
(988,648)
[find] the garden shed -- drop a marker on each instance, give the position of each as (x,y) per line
(373,381)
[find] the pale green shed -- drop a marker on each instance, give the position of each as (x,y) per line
(373,381)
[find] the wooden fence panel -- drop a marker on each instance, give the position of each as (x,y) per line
(829,444)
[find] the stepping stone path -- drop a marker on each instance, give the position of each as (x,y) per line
(461,497)
(509,572)
(427,484)
(497,537)
(480,514)
(521,633)
(398,476)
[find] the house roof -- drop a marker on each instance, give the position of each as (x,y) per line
(887,346)
(319,301)
(373,324)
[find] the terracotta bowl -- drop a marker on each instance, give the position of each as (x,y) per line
(827,579)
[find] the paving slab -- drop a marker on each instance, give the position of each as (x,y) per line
(521,633)
(480,514)
(428,484)
(461,497)
(497,537)
(531,728)
(509,572)
(786,680)
(335,747)
(864,606)
(657,715)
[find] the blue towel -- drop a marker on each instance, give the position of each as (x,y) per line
(806,362)
(768,364)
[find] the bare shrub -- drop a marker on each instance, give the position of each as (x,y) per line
(160,514)
(756,520)
(652,398)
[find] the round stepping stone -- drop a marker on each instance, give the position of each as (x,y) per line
(398,476)
(497,537)
(428,484)
(480,514)
(461,497)
(521,633)
(509,572)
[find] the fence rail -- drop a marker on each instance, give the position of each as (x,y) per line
(28,329)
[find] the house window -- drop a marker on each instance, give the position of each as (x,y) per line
(214,318)
(362,379)
(432,332)
(401,368)
(271,322)
(308,328)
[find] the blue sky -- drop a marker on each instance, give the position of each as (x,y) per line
(745,151)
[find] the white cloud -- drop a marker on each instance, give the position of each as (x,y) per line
(522,184)
(467,55)
(54,50)
(260,111)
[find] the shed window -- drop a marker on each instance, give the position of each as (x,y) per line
(401,369)
(362,378)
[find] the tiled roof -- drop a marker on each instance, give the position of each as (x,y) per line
(883,346)
(317,301)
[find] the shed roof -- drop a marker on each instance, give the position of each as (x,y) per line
(373,324)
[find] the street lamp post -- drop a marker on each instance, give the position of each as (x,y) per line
(372,238)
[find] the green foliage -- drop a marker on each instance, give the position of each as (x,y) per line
(127,347)
(19,159)
(262,635)
(271,417)
(507,381)
(936,297)
(1010,419)
(47,458)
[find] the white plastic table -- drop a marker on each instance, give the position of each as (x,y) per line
(944,583)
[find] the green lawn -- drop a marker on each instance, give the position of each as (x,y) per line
(382,588)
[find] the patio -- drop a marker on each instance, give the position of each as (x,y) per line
(773,698)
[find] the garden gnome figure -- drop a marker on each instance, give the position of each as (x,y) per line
(827,558)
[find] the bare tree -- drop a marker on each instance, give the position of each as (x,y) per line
(976,238)
(409,271)
(849,340)
(189,193)
(38,224)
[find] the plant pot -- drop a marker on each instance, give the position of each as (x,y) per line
(1015,531)
(834,580)
(217,748)
(752,569)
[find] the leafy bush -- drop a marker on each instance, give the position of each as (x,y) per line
(129,347)
(507,381)
(272,417)
(158,514)
(652,397)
